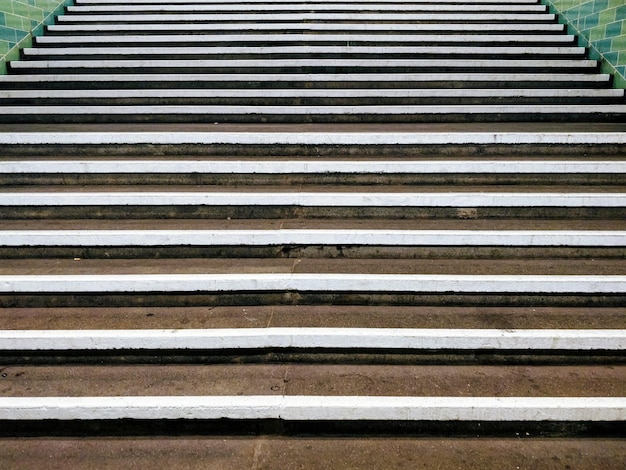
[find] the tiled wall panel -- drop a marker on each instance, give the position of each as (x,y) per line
(601,26)
(19,20)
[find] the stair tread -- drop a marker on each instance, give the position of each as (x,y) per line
(337,316)
(337,380)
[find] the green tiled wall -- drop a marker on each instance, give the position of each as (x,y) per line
(20,20)
(601,26)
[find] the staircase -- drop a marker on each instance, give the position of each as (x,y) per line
(332,234)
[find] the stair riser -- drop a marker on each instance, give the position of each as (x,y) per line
(312,251)
(66,179)
(33,300)
(318,150)
(274,212)
(126,82)
(304,119)
(240,101)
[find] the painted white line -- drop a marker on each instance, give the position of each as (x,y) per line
(307,7)
(310,338)
(317,199)
(317,93)
(317,408)
(179,51)
(407,27)
(251,38)
(263,282)
(309,166)
(270,15)
(525,238)
(295,63)
(248,110)
(310,77)
(313,138)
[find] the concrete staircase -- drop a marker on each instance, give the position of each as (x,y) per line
(352,61)
(319,263)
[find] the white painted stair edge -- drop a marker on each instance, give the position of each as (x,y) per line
(313,138)
(324,282)
(319,338)
(316,408)
(359,237)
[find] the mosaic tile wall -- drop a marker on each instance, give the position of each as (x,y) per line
(19,20)
(601,26)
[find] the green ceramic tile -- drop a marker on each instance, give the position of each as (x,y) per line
(47,5)
(599,5)
(586,9)
(611,57)
(603,45)
(615,3)
(608,15)
(16,22)
(8,34)
(620,12)
(4,47)
(614,29)
(27,11)
(619,43)
(591,21)
(597,33)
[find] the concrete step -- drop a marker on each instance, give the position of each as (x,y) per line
(55,32)
(310,97)
(307,7)
(373,141)
(297,51)
(451,16)
(280,172)
(266,39)
(85,81)
(299,114)
(311,65)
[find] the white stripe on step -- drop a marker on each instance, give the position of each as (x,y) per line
(527,238)
(314,199)
(317,408)
(313,138)
(263,282)
(312,338)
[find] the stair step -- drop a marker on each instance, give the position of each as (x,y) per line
(312,338)
(224,237)
(326,198)
(297,63)
(249,28)
(316,408)
(313,282)
(297,97)
(264,39)
(322,316)
(242,113)
(326,51)
(354,80)
(162,18)
(307,7)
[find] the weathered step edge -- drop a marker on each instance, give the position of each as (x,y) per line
(316,408)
